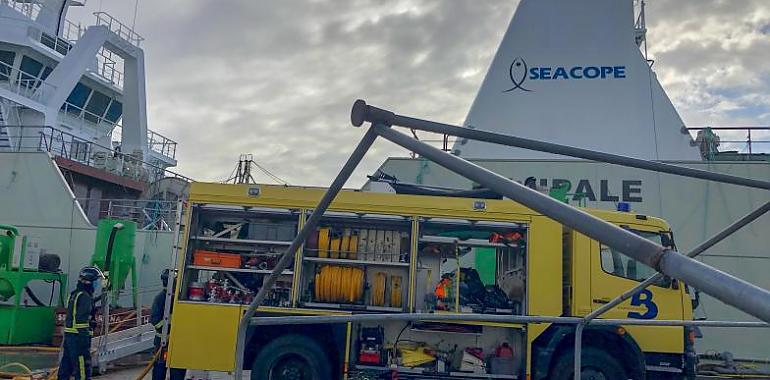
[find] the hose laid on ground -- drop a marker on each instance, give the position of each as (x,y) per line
(16,364)
(149,365)
(13,375)
(31,348)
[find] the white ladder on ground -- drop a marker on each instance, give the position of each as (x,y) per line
(5,139)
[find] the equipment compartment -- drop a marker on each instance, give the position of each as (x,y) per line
(427,349)
(489,259)
(230,250)
(358,262)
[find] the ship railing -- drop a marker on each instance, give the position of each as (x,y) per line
(714,141)
(23,83)
(72,31)
(109,67)
(58,44)
(122,30)
(155,142)
(161,144)
(24,138)
(29,8)
(79,113)
(149,214)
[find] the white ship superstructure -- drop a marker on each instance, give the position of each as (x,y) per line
(78,84)
(74,142)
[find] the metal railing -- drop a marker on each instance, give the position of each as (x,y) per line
(109,67)
(756,140)
(731,290)
(155,142)
(63,144)
(80,113)
(32,9)
(72,32)
(23,83)
(161,144)
(29,8)
(58,44)
(122,30)
(151,215)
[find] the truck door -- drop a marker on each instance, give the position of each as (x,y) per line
(613,273)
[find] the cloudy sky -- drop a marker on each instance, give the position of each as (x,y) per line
(277,78)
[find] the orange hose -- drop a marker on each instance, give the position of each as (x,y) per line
(150,364)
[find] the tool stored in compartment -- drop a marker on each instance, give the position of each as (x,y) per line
(378,289)
(216,259)
(417,355)
(339,284)
(395,291)
(370,341)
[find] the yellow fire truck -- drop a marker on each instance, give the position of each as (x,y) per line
(394,253)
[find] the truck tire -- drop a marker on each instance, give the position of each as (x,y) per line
(291,357)
(596,365)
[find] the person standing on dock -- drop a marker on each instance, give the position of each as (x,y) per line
(156,318)
(79,325)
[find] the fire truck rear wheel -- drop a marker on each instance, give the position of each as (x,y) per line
(291,357)
(596,365)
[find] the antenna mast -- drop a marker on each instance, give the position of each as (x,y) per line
(242,172)
(640,27)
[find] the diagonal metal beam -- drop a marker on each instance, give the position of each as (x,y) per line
(362,112)
(720,285)
(309,226)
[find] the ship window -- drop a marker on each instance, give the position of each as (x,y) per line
(96,106)
(6,63)
(78,96)
(115,111)
(31,67)
(46,72)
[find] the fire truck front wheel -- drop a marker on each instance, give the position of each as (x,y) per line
(596,364)
(291,357)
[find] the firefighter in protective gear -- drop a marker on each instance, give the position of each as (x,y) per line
(156,318)
(79,325)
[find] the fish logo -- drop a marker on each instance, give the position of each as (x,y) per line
(518,74)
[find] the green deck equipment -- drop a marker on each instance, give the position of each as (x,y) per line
(22,323)
(119,253)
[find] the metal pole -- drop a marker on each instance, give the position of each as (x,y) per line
(729,289)
(721,235)
(520,319)
(172,275)
(362,112)
(578,365)
(658,322)
(720,285)
(408,317)
(310,226)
